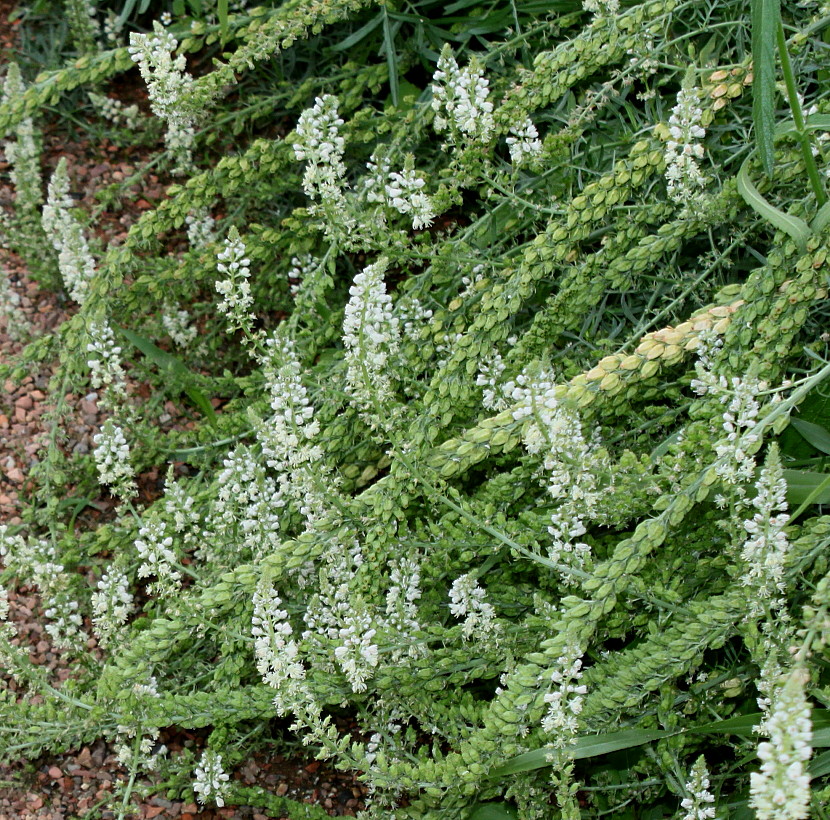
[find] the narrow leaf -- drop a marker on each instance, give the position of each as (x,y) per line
(815,434)
(797,228)
(584,748)
(177,369)
(222,12)
(765,17)
(355,37)
(391,58)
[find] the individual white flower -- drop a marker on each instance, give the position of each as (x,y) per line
(459,98)
(523,143)
(699,804)
(781,790)
(112,457)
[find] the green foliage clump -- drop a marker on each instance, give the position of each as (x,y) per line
(508,324)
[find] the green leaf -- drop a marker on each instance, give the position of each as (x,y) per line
(797,228)
(585,747)
(182,376)
(355,37)
(821,738)
(805,486)
(391,57)
(814,433)
(820,765)
(765,18)
(492,811)
(222,12)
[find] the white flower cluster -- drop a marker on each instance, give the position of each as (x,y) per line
(405,194)
(370,334)
(154,547)
(211,781)
(566,700)
(683,149)
(113,28)
(22,153)
(111,606)
(766,545)
(459,99)
(402,191)
(75,260)
(177,325)
(16,325)
(467,601)
(277,654)
(781,790)
(414,316)
(112,458)
(401,603)
(125,116)
(245,515)
(287,436)
(736,464)
(301,267)
(698,805)
(83,24)
(170,89)
(235,289)
(150,751)
(490,372)
(37,560)
(373,184)
(570,462)
(523,143)
(336,612)
(104,362)
(601,8)
(200,228)
(319,143)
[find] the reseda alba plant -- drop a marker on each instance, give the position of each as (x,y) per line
(500,487)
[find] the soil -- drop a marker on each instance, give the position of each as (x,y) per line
(81,783)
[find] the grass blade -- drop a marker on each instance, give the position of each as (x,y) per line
(765,17)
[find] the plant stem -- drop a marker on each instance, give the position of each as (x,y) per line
(798,119)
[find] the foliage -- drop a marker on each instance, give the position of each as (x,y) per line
(508,324)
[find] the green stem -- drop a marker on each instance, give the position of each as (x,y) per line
(798,119)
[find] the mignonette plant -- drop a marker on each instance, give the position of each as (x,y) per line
(514,505)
